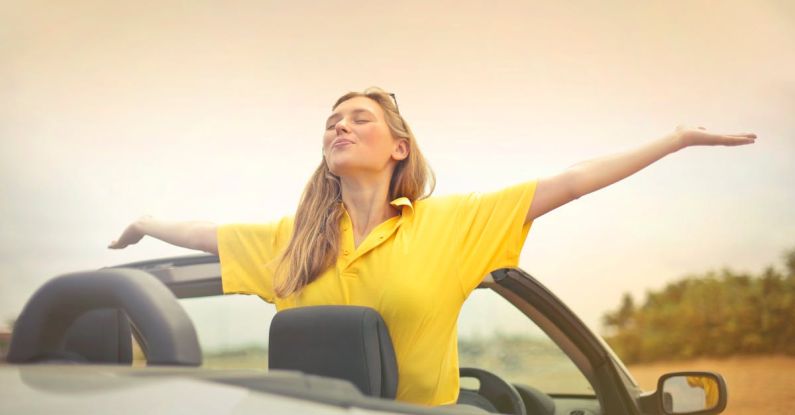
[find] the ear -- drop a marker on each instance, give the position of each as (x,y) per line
(401,150)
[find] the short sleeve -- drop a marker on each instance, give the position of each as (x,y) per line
(493,231)
(248,254)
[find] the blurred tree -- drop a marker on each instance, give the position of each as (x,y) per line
(621,318)
(789,262)
(715,314)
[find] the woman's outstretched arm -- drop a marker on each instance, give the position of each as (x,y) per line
(591,175)
(193,235)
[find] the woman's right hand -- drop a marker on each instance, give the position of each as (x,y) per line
(197,235)
(131,235)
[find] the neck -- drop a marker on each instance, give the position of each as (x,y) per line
(367,202)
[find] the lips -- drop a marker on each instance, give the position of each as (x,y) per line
(340,142)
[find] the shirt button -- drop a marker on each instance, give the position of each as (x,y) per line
(346,252)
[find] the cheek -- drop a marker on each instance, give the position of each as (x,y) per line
(376,138)
(327,138)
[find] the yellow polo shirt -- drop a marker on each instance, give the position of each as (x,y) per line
(416,269)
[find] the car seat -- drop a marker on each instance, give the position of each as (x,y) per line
(343,342)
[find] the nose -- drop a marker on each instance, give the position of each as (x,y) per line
(341,126)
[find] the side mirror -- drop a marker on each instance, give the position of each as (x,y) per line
(683,393)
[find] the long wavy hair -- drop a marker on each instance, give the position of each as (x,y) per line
(315,242)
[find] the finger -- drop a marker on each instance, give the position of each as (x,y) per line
(738,141)
(751,137)
(743,135)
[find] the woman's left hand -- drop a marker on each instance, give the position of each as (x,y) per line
(700,137)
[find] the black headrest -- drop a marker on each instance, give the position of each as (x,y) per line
(344,342)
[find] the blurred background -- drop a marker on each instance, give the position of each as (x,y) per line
(214,111)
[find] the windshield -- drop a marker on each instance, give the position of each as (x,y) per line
(495,336)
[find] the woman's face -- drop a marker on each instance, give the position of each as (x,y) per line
(358,141)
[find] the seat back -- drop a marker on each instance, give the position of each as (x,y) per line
(343,342)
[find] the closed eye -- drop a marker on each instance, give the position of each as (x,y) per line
(330,126)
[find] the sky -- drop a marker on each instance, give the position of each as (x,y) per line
(214,111)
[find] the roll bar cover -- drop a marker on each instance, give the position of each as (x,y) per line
(164,330)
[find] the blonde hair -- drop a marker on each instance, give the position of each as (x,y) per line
(315,242)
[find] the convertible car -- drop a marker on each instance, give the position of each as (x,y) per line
(159,337)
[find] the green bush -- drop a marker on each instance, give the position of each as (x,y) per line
(710,315)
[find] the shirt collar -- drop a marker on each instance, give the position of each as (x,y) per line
(405,204)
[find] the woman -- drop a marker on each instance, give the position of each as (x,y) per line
(366,233)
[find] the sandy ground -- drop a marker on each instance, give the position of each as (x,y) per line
(756,385)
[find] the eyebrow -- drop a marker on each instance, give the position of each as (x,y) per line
(355,111)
